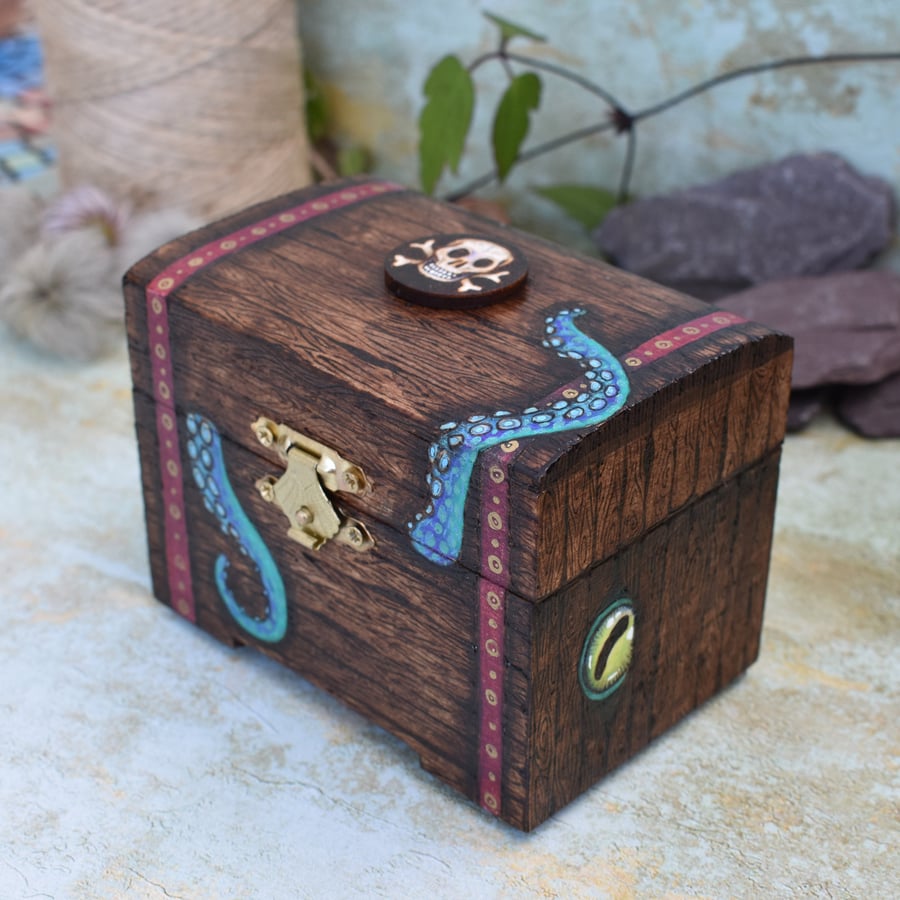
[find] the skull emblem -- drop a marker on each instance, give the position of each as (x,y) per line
(455,271)
(466,258)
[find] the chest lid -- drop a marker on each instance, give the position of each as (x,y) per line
(571,415)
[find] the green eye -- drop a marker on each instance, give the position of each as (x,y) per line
(607,651)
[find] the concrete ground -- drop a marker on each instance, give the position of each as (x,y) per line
(139,758)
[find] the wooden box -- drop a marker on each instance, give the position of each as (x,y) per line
(526,537)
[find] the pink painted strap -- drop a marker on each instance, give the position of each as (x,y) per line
(177,561)
(663,344)
(494,575)
(158,292)
(491,614)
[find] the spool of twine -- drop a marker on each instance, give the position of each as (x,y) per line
(189,103)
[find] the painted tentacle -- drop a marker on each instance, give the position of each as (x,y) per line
(437,532)
(204,448)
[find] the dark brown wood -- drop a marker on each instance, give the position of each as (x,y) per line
(669,501)
(672,453)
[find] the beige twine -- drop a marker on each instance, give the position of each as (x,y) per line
(193,103)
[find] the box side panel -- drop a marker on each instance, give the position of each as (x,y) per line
(231,375)
(679,444)
(696,586)
(391,638)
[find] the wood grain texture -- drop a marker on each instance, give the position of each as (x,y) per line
(670,500)
(595,503)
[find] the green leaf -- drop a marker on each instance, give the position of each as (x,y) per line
(511,120)
(588,205)
(509,30)
(445,119)
(353,160)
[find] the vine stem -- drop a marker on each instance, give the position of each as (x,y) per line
(561,72)
(773,65)
(627,166)
(539,150)
(623,121)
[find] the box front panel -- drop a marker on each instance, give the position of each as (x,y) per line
(391,637)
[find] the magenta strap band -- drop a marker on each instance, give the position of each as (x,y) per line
(676,338)
(494,574)
(157,294)
(492,612)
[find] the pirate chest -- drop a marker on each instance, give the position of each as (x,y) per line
(512,504)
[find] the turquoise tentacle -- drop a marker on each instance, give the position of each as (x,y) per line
(204,448)
(437,532)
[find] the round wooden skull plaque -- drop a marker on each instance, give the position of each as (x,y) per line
(455,271)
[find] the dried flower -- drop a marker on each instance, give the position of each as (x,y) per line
(87,207)
(60,274)
(64,296)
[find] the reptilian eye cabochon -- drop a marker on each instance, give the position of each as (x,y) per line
(607,651)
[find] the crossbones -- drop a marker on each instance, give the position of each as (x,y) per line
(460,260)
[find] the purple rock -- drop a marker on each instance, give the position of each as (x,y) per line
(804,407)
(846,327)
(805,215)
(873,410)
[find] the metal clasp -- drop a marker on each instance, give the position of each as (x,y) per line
(311,469)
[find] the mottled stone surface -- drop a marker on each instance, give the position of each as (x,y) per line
(141,759)
(804,215)
(846,327)
(872,410)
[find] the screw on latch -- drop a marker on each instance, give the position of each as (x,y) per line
(356,535)
(264,433)
(266,488)
(303,516)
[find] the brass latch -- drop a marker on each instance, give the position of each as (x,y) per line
(311,469)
